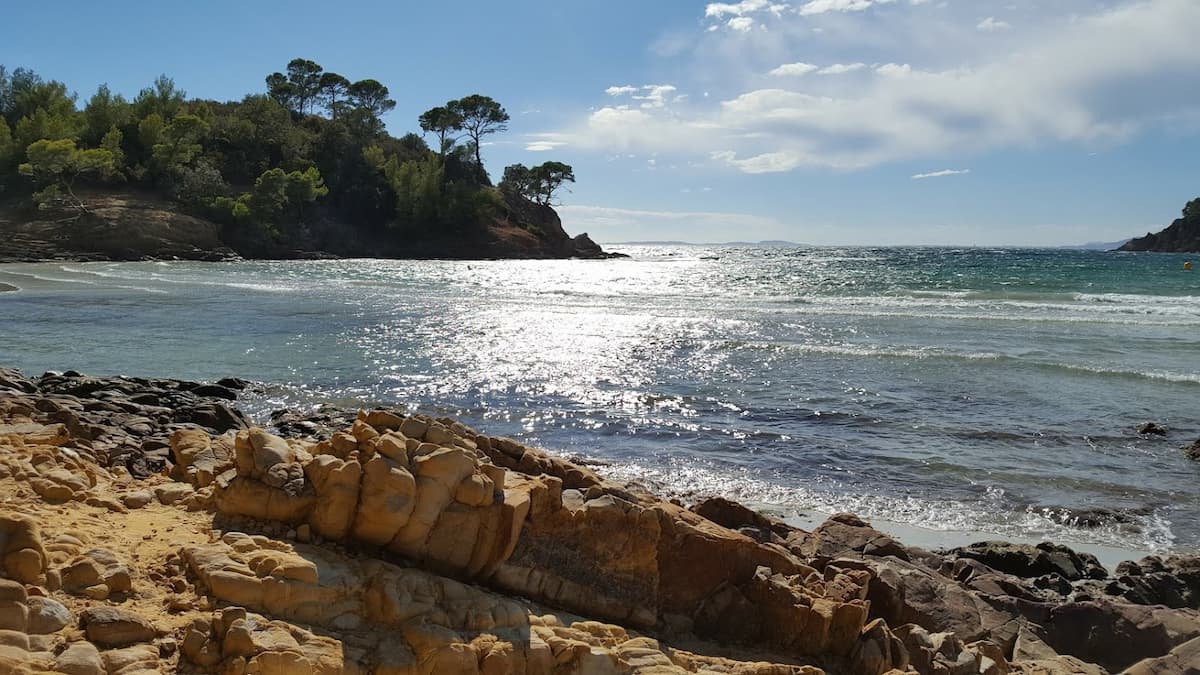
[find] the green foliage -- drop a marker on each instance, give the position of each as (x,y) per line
(8,148)
(539,183)
(480,115)
(43,123)
(277,196)
(371,96)
(313,144)
(162,98)
(104,111)
(442,121)
(111,142)
(1191,211)
(333,90)
(24,93)
(178,144)
(54,165)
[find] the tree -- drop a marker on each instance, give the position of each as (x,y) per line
(112,143)
(539,183)
(26,93)
(162,98)
(333,91)
(299,90)
(548,177)
(1191,211)
(518,180)
(441,121)
(8,149)
(284,93)
(43,123)
(481,115)
(178,144)
(306,76)
(55,165)
(104,111)
(371,96)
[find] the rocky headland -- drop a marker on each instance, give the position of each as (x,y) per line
(139,225)
(1181,236)
(148,526)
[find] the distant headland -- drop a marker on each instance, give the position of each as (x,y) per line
(304,169)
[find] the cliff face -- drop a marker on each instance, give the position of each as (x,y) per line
(1181,236)
(137,226)
(121,226)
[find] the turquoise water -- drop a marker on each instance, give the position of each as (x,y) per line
(982,390)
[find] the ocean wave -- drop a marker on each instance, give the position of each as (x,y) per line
(991,514)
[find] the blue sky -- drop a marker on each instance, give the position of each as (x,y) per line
(818,121)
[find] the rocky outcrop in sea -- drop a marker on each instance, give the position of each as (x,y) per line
(146,525)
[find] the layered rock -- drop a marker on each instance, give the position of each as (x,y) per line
(403,544)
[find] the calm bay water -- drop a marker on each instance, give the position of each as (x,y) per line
(982,390)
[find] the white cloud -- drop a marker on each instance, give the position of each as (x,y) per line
(793,69)
(741,24)
(894,70)
(621,90)
(991,25)
(939,174)
(1094,79)
(840,68)
(767,162)
(720,9)
(542,146)
(655,95)
(824,6)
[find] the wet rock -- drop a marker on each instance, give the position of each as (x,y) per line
(215,416)
(1027,561)
(1193,451)
(234,383)
(1152,429)
(1173,581)
(734,516)
(215,391)
(844,534)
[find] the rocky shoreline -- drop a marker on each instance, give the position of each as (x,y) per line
(138,226)
(146,525)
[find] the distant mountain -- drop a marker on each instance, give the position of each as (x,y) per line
(1097,245)
(1183,235)
(768,242)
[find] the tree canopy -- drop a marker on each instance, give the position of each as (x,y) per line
(278,165)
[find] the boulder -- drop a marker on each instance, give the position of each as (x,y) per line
(115,627)
(1115,636)
(1023,560)
(80,658)
(843,534)
(21,554)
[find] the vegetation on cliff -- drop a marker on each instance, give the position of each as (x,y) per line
(1180,236)
(304,166)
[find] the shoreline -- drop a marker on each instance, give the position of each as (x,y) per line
(332,502)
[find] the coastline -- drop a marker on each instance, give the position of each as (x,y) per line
(709,586)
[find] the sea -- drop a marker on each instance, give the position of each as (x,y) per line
(995,392)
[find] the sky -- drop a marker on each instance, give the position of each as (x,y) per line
(857,122)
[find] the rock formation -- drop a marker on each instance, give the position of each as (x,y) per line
(149,528)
